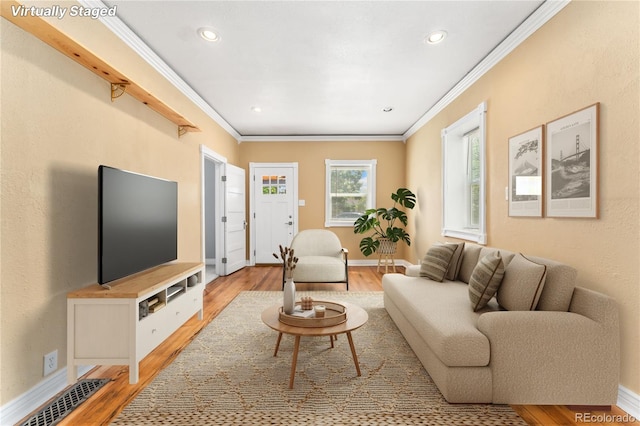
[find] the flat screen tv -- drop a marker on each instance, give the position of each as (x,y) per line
(137,223)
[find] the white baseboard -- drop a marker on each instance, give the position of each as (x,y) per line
(629,402)
(374,262)
(20,407)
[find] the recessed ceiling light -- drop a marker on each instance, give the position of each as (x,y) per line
(387,109)
(256,109)
(208,34)
(435,37)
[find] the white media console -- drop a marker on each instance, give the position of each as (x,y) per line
(120,325)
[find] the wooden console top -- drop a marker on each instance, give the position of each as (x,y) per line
(139,284)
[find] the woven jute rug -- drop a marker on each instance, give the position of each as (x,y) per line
(229,376)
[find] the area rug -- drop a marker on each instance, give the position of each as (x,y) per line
(229,376)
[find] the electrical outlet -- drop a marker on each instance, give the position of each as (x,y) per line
(50,362)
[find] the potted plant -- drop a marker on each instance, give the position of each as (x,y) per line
(386,224)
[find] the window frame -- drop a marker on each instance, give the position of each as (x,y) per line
(371,189)
(455,173)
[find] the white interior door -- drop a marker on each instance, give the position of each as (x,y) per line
(275,208)
(234,220)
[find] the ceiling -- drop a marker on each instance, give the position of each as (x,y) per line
(322,68)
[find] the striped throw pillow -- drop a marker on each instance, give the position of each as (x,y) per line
(435,263)
(485,280)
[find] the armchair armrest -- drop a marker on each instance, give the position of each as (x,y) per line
(544,357)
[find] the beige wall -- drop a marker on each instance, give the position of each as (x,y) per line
(588,53)
(310,157)
(58,125)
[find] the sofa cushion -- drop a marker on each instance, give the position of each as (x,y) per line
(522,284)
(470,258)
(435,263)
(485,280)
(472,254)
(558,287)
(456,261)
(440,314)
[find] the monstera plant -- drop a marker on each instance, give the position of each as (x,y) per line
(386,224)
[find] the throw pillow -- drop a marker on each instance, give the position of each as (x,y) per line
(435,263)
(522,284)
(485,280)
(456,262)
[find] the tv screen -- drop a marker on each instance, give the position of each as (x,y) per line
(138,223)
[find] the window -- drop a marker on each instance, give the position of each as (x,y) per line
(350,190)
(463,177)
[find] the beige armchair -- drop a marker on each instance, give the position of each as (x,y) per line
(321,258)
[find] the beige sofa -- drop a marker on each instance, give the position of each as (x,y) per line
(566,351)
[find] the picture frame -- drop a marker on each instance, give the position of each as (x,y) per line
(526,153)
(571,164)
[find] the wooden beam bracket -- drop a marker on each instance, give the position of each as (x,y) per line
(182,129)
(118,89)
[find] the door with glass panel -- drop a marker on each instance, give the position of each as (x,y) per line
(275,208)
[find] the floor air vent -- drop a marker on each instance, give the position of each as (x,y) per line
(65,403)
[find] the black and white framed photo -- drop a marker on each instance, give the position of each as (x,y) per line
(571,164)
(525,173)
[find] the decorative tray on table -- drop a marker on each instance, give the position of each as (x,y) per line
(335,314)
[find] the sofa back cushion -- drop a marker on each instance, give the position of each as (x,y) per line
(558,287)
(522,284)
(470,258)
(456,262)
(559,283)
(472,254)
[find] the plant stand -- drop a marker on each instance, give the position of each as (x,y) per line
(386,260)
(386,253)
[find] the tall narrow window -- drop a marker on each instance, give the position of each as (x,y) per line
(472,140)
(350,190)
(463,177)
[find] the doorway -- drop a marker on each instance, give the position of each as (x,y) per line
(223,215)
(274,208)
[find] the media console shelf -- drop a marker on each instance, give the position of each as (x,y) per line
(121,325)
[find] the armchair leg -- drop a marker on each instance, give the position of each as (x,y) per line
(346,269)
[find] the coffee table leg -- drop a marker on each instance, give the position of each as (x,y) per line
(294,360)
(353,352)
(275,353)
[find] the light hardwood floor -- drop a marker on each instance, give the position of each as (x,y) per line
(105,405)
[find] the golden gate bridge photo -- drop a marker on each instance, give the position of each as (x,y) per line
(571,174)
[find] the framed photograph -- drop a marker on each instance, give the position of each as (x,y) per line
(571,166)
(525,173)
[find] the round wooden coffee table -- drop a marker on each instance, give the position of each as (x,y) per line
(356,318)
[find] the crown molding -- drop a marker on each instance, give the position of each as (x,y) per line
(536,20)
(125,34)
(322,138)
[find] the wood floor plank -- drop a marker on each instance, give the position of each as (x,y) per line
(109,401)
